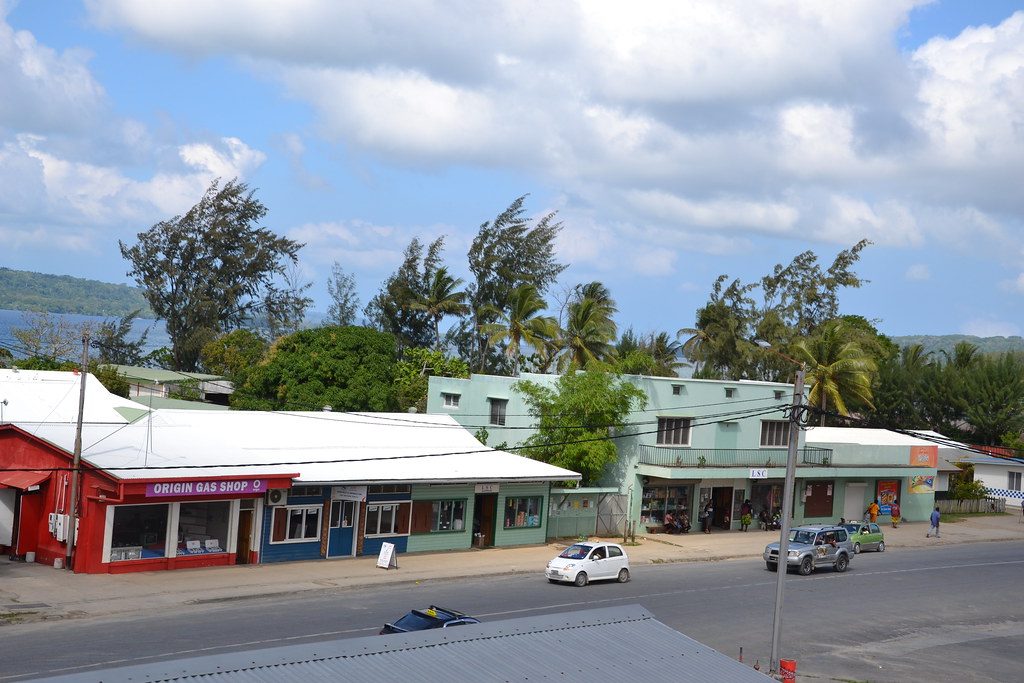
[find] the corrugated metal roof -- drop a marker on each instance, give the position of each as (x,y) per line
(614,643)
(862,436)
(323,447)
(51,396)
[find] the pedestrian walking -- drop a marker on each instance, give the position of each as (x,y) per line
(746,514)
(872,511)
(894,511)
(935,523)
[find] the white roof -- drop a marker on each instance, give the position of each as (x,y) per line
(320,447)
(51,396)
(862,436)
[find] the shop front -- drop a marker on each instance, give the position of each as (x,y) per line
(173,524)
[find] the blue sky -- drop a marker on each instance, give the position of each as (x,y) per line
(677,140)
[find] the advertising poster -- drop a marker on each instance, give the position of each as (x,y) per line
(922,484)
(887,492)
(924,456)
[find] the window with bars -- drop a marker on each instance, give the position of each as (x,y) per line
(774,433)
(498,408)
(450,400)
(674,431)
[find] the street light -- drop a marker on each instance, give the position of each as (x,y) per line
(787,499)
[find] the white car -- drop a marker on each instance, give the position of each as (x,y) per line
(585,562)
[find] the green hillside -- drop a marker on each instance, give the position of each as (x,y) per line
(22,290)
(947,342)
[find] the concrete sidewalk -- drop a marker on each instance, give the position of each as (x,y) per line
(33,592)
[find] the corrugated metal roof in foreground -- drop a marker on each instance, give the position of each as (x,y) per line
(613,643)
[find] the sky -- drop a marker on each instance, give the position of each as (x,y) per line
(677,141)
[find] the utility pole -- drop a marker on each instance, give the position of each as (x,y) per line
(787,510)
(77,459)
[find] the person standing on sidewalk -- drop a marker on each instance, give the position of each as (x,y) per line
(894,511)
(935,523)
(709,513)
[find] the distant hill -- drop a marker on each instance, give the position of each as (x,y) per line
(21,290)
(947,342)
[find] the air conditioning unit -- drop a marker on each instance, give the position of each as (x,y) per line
(277,497)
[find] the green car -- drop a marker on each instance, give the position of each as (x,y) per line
(866,536)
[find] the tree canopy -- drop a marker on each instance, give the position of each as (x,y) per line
(213,270)
(346,368)
(574,419)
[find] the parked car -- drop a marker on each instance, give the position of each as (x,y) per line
(866,536)
(582,563)
(432,617)
(812,546)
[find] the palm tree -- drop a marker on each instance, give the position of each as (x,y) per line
(442,298)
(588,335)
(839,371)
(522,322)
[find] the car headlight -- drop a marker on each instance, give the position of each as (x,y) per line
(794,553)
(570,565)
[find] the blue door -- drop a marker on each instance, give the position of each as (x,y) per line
(341,533)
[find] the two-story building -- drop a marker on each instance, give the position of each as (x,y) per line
(711,441)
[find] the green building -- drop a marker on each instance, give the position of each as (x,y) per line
(710,441)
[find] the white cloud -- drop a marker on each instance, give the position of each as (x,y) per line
(43,91)
(919,272)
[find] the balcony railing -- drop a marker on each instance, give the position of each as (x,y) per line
(667,456)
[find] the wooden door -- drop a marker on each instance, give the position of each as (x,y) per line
(243,545)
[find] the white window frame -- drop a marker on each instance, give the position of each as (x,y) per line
(450,400)
(774,433)
(377,509)
(674,431)
(1013,480)
(318,509)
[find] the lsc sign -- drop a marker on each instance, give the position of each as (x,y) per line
(759,474)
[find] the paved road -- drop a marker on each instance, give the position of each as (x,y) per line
(920,614)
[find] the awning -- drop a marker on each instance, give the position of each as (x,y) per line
(22,480)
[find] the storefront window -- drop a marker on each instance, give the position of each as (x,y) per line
(296,524)
(203,527)
(448,515)
(522,512)
(140,532)
(381,519)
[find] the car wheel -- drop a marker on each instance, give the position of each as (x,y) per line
(881,546)
(581,579)
(623,576)
(856,548)
(772,566)
(842,562)
(806,566)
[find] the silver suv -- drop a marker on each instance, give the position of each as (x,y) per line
(811,546)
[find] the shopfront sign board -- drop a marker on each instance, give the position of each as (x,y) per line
(759,474)
(190,488)
(356,493)
(387,558)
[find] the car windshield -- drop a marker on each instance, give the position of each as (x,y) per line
(576,552)
(414,621)
(852,528)
(801,536)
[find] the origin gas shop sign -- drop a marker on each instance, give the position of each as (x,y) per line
(205,488)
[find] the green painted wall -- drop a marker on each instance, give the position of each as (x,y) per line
(444,540)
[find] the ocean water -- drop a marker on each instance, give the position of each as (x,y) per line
(156,338)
